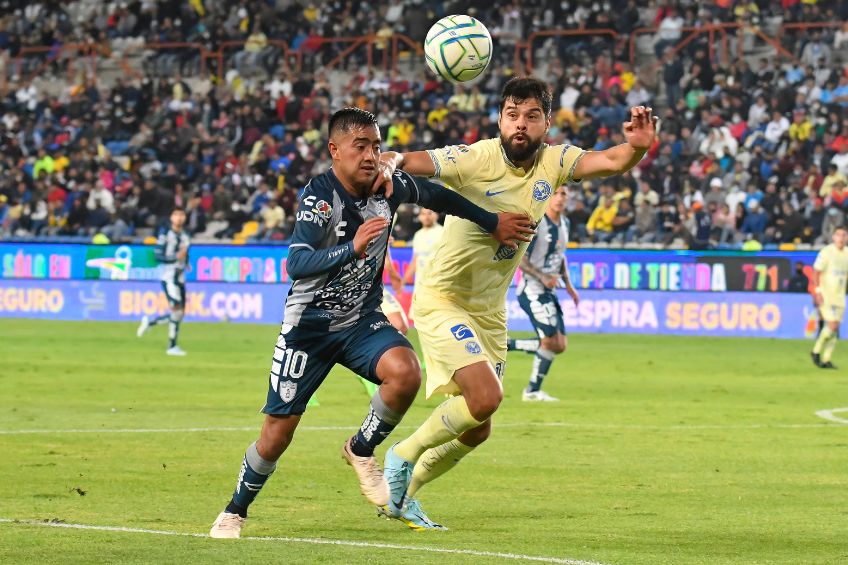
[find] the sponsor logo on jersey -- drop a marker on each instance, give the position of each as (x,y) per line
(504,252)
(461,331)
(323,209)
(381,324)
(473,348)
(542,190)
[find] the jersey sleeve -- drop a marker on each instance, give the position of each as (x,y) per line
(821,261)
(564,158)
(161,251)
(306,256)
(457,165)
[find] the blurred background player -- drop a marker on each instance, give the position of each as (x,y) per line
(830,272)
(332,311)
(391,308)
(460,309)
(542,268)
(172,253)
(423,244)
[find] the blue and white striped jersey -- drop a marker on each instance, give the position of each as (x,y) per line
(167,247)
(546,253)
(332,288)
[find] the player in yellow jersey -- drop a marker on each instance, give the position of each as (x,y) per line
(460,308)
(423,245)
(830,272)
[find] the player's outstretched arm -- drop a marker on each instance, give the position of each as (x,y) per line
(506,227)
(415,162)
(639,132)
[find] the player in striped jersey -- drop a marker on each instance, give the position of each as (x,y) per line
(333,309)
(542,268)
(172,253)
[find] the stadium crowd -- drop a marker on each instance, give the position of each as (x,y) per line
(754,153)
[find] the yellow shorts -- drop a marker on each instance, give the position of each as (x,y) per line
(391,305)
(831,313)
(452,339)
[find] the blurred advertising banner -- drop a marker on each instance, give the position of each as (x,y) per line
(731,314)
(675,271)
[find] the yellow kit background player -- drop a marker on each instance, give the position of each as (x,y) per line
(460,307)
(424,244)
(830,273)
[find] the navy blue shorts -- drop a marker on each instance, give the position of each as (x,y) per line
(303,358)
(544,311)
(175,291)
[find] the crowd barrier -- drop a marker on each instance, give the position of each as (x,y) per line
(676,271)
(729,314)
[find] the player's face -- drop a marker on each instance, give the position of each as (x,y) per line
(177,219)
(427,218)
(523,127)
(840,237)
(356,154)
(558,198)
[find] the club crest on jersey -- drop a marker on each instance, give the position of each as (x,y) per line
(473,348)
(287,390)
(461,331)
(542,190)
(323,209)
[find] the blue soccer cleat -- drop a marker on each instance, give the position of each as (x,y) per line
(413,516)
(398,473)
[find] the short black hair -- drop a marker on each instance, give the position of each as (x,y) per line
(521,89)
(347,118)
(178,209)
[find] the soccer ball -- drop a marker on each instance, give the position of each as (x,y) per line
(458,48)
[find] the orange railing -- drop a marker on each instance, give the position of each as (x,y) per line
(603,32)
(391,50)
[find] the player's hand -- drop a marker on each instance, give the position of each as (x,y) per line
(181,254)
(574,296)
(641,130)
(817,299)
(514,227)
(368,232)
(385,171)
(550,281)
(397,285)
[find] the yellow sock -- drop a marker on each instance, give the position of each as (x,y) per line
(828,348)
(448,421)
(823,337)
(435,462)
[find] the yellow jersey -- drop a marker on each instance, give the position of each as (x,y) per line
(470,268)
(833,266)
(423,244)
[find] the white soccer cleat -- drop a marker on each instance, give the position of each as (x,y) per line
(372,483)
(176,351)
(142,327)
(227,526)
(537,396)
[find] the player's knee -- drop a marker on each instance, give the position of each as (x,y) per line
(177,314)
(554,344)
(403,373)
(485,403)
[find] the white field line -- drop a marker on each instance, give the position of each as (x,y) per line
(831,415)
(496,425)
(312,541)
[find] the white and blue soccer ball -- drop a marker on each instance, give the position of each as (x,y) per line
(458,48)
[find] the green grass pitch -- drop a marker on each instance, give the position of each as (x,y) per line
(663,450)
